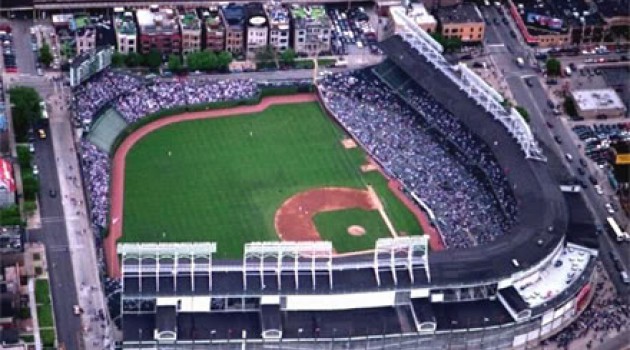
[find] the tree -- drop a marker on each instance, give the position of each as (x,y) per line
(450,44)
(45,55)
(153,59)
(175,63)
(224,59)
(569,107)
(26,110)
(24,157)
(554,67)
(266,56)
(288,56)
(134,59)
(524,113)
(30,186)
(10,216)
(118,59)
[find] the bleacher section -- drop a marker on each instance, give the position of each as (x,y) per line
(106,129)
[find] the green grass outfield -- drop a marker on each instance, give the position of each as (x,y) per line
(223,179)
(333,226)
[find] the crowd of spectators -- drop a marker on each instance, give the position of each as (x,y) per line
(134,98)
(95,94)
(418,142)
(606,314)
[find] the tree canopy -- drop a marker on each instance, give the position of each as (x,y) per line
(153,59)
(26,110)
(175,63)
(554,67)
(45,55)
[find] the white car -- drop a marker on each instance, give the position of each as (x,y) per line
(31,148)
(599,190)
(35,170)
(609,208)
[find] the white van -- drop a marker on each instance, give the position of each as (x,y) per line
(568,157)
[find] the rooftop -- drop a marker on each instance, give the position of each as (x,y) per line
(550,281)
(10,239)
(124,23)
(418,13)
(156,20)
(256,15)
(464,13)
(556,15)
(211,18)
(277,14)
(594,99)
(190,21)
(310,15)
(234,14)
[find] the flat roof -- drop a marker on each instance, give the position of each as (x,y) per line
(310,15)
(549,282)
(418,14)
(597,99)
(464,13)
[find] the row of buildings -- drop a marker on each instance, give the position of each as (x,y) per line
(239,29)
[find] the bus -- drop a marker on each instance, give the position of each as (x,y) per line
(44,111)
(617,234)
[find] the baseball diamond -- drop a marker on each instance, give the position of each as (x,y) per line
(229,180)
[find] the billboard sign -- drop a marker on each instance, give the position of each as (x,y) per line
(544,21)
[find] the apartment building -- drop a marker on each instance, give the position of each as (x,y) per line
(126,31)
(233,18)
(463,21)
(158,29)
(257,33)
(213,29)
(190,25)
(311,29)
(279,26)
(418,13)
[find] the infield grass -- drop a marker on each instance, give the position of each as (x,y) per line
(223,179)
(333,226)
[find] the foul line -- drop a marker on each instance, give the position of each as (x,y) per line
(381,210)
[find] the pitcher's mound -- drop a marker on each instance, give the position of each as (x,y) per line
(356,230)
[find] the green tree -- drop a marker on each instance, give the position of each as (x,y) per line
(174,63)
(26,110)
(10,216)
(524,113)
(134,59)
(450,44)
(24,157)
(45,55)
(554,67)
(224,59)
(118,59)
(193,60)
(288,56)
(569,107)
(153,60)
(30,186)
(267,56)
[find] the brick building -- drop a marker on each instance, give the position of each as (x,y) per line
(158,29)
(463,21)
(213,29)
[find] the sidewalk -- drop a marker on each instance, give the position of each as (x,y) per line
(80,237)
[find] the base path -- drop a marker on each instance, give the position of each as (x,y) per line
(118,163)
(294,218)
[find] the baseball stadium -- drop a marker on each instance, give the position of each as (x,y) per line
(396,206)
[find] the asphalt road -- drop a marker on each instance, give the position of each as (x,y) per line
(24,55)
(53,235)
(503,49)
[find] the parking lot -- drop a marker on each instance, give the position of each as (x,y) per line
(353,31)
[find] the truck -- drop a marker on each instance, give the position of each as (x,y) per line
(520,62)
(570,188)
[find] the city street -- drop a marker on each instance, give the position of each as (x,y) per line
(503,49)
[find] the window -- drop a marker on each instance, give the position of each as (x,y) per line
(36,257)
